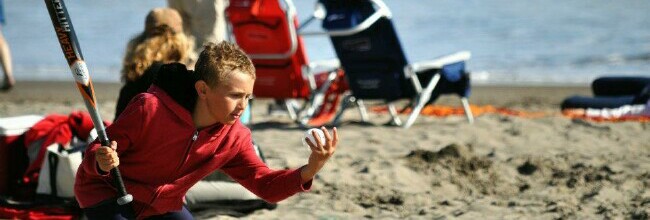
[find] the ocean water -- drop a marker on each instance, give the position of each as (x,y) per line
(512,42)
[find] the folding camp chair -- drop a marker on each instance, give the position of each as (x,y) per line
(266,31)
(376,68)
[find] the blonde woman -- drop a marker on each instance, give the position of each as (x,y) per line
(161,42)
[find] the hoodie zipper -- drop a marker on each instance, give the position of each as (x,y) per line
(195,136)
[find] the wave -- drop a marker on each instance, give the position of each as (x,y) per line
(615,59)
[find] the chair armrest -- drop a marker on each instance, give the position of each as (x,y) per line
(382,11)
(309,71)
(321,66)
(319,13)
(438,62)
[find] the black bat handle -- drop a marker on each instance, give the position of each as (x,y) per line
(125,197)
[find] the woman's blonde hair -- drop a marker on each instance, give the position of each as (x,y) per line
(162,44)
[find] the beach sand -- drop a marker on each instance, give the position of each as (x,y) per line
(500,167)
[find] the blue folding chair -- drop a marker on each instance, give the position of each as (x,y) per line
(376,68)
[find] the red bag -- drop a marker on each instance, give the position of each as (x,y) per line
(11,147)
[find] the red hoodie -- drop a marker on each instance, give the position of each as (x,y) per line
(162,155)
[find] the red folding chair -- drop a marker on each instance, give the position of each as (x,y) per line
(266,31)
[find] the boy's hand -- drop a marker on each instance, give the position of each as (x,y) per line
(320,153)
(106,157)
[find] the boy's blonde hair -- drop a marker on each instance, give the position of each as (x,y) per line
(218,61)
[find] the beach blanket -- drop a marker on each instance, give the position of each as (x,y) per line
(640,113)
(445,111)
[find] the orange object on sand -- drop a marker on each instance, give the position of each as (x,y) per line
(444,111)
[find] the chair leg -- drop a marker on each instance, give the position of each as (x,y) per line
(347,100)
(362,110)
(417,108)
(468,110)
(291,108)
(316,101)
(393,114)
(421,100)
(317,98)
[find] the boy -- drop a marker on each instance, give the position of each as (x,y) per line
(186,126)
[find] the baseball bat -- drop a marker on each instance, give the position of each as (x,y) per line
(72,52)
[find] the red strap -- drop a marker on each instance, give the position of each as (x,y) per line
(37,213)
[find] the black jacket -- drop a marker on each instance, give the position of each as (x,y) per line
(173,78)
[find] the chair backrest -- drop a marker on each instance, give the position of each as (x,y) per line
(373,59)
(619,85)
(262,29)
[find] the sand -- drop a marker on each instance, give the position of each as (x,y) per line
(500,167)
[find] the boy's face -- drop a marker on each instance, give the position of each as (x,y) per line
(226,102)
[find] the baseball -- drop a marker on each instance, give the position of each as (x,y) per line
(308,134)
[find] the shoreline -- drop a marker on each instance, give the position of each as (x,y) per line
(66,91)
